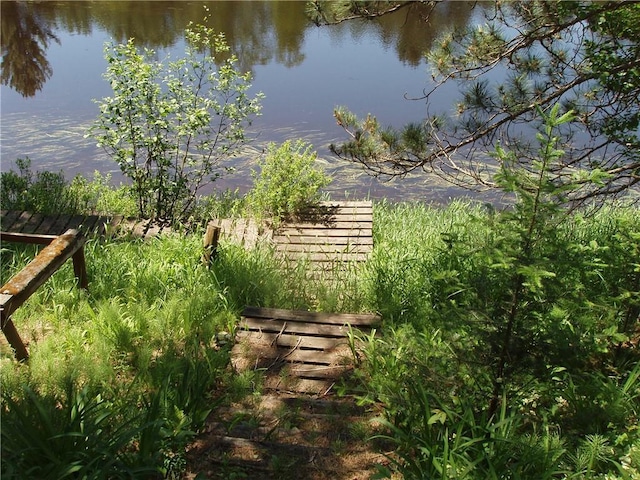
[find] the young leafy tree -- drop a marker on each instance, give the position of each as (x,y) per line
(170,126)
(583,55)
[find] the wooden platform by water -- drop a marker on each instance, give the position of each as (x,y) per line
(326,234)
(13,221)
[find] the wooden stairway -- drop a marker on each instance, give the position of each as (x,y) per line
(299,351)
(295,428)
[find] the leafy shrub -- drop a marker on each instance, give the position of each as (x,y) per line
(170,126)
(49,193)
(42,191)
(97,196)
(287,182)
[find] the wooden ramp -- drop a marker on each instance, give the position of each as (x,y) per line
(299,351)
(13,221)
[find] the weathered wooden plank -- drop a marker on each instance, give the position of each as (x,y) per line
(47,223)
(33,223)
(326,372)
(334,216)
(290,341)
(313,317)
(21,221)
(323,232)
(327,257)
(335,223)
(350,248)
(336,207)
(301,385)
(8,219)
(326,238)
(349,203)
(340,221)
(60,225)
(89,223)
(22,285)
(263,350)
(32,238)
(365,225)
(329,221)
(75,223)
(339,229)
(300,328)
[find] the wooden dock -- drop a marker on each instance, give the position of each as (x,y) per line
(328,234)
(325,235)
(13,221)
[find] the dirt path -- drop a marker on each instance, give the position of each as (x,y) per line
(287,436)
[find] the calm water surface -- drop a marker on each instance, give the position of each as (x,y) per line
(53,64)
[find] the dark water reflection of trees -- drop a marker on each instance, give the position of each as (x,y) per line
(258,32)
(24,37)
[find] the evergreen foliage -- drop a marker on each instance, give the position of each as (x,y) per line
(582,55)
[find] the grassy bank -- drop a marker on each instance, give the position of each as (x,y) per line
(124,376)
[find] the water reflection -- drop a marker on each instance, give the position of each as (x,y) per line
(24,38)
(304,70)
(258,32)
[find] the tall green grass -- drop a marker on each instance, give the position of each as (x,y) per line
(140,350)
(125,374)
(572,403)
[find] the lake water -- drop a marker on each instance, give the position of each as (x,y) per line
(53,65)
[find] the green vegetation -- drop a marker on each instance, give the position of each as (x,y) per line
(171,126)
(287,182)
(43,191)
(123,377)
(50,193)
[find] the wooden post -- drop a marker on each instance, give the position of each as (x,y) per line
(211,238)
(80,269)
(10,332)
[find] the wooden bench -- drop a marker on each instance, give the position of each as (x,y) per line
(299,351)
(22,285)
